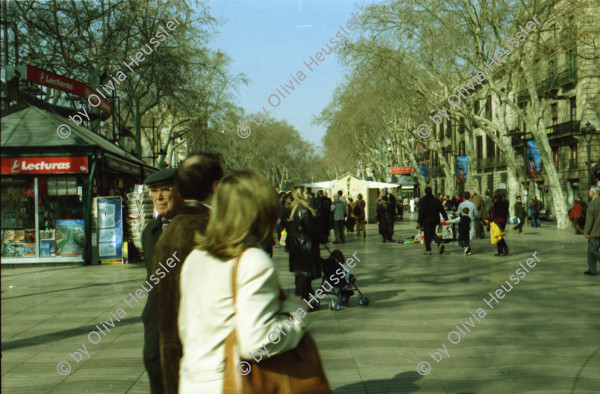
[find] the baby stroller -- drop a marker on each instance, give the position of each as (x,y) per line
(339,279)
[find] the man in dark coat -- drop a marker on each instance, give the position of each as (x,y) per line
(429,218)
(196,181)
(305,255)
(166,202)
(386,215)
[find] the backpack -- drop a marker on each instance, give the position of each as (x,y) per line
(356,211)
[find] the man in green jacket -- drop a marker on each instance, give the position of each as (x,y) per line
(520,213)
(592,230)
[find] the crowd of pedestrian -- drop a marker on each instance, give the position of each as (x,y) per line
(223,225)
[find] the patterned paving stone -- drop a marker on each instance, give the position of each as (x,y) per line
(541,337)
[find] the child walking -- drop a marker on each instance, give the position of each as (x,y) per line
(464,230)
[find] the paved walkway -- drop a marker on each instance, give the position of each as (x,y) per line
(543,336)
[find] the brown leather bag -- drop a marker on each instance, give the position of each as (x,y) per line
(298,370)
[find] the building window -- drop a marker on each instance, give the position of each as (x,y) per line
(479,147)
(554,108)
(573,152)
(476,107)
(490,149)
(573,108)
(461,148)
(488,108)
(556,157)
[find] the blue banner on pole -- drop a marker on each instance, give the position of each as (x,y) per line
(461,166)
(533,159)
(424,171)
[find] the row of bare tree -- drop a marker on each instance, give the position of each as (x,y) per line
(412,55)
(184,89)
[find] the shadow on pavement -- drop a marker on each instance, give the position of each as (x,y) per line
(56,336)
(402,383)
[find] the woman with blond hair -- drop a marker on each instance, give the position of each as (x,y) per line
(244,215)
(303,243)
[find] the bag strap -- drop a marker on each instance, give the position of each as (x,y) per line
(234,274)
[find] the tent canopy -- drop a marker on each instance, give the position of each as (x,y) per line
(370,184)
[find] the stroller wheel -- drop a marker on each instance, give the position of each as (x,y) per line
(363,301)
(337,306)
(331,305)
(343,299)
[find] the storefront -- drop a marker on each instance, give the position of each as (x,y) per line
(47,190)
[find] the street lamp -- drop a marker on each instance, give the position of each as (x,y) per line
(588,132)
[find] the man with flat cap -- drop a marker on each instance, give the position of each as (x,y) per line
(196,181)
(166,201)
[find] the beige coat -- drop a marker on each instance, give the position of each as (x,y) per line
(207,316)
(480,205)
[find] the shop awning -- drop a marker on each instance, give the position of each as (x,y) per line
(33,127)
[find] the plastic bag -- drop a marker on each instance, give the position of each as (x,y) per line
(283,237)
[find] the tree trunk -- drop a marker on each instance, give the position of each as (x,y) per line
(137,129)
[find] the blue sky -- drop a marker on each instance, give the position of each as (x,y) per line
(270,39)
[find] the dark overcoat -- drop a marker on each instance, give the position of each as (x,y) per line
(430,210)
(178,238)
(150,235)
(303,244)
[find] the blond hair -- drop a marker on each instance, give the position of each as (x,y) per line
(245,212)
(298,199)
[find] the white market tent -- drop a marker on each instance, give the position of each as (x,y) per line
(351,186)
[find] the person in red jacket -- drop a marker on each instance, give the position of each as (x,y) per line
(575,215)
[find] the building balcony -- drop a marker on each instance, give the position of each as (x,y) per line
(554,81)
(566,128)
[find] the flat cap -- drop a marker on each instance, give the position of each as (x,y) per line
(163,176)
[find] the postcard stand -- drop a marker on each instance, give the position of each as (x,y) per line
(107,230)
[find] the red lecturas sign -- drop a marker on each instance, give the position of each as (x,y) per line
(44,165)
(400,170)
(59,82)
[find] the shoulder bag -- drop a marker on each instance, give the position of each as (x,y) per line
(298,370)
